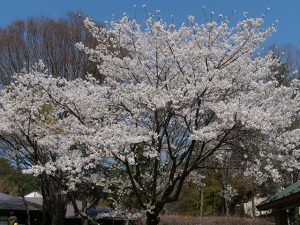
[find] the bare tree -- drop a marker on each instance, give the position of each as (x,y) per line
(290,58)
(25,42)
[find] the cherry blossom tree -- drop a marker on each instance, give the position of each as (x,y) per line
(198,88)
(45,122)
(176,98)
(24,114)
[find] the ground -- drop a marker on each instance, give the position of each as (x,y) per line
(189,220)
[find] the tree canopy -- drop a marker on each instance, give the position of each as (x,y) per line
(177,98)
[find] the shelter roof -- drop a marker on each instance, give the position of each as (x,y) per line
(8,202)
(286,198)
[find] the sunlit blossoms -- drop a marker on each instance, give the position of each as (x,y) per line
(171,99)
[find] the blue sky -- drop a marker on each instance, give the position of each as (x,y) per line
(287,12)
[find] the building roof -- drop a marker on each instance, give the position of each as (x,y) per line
(286,198)
(4,197)
(8,202)
(33,194)
(70,209)
(70,213)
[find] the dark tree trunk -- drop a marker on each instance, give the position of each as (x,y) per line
(85,221)
(152,219)
(54,200)
(21,192)
(26,209)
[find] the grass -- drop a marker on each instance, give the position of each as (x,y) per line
(189,220)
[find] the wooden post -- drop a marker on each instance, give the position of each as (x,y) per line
(253,207)
(201,202)
(280,217)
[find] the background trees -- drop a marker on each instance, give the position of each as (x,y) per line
(10,180)
(25,42)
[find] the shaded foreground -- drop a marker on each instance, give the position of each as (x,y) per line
(189,220)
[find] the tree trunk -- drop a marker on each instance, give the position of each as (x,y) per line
(26,209)
(201,202)
(21,192)
(84,207)
(152,219)
(226,206)
(54,200)
(253,206)
(213,206)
